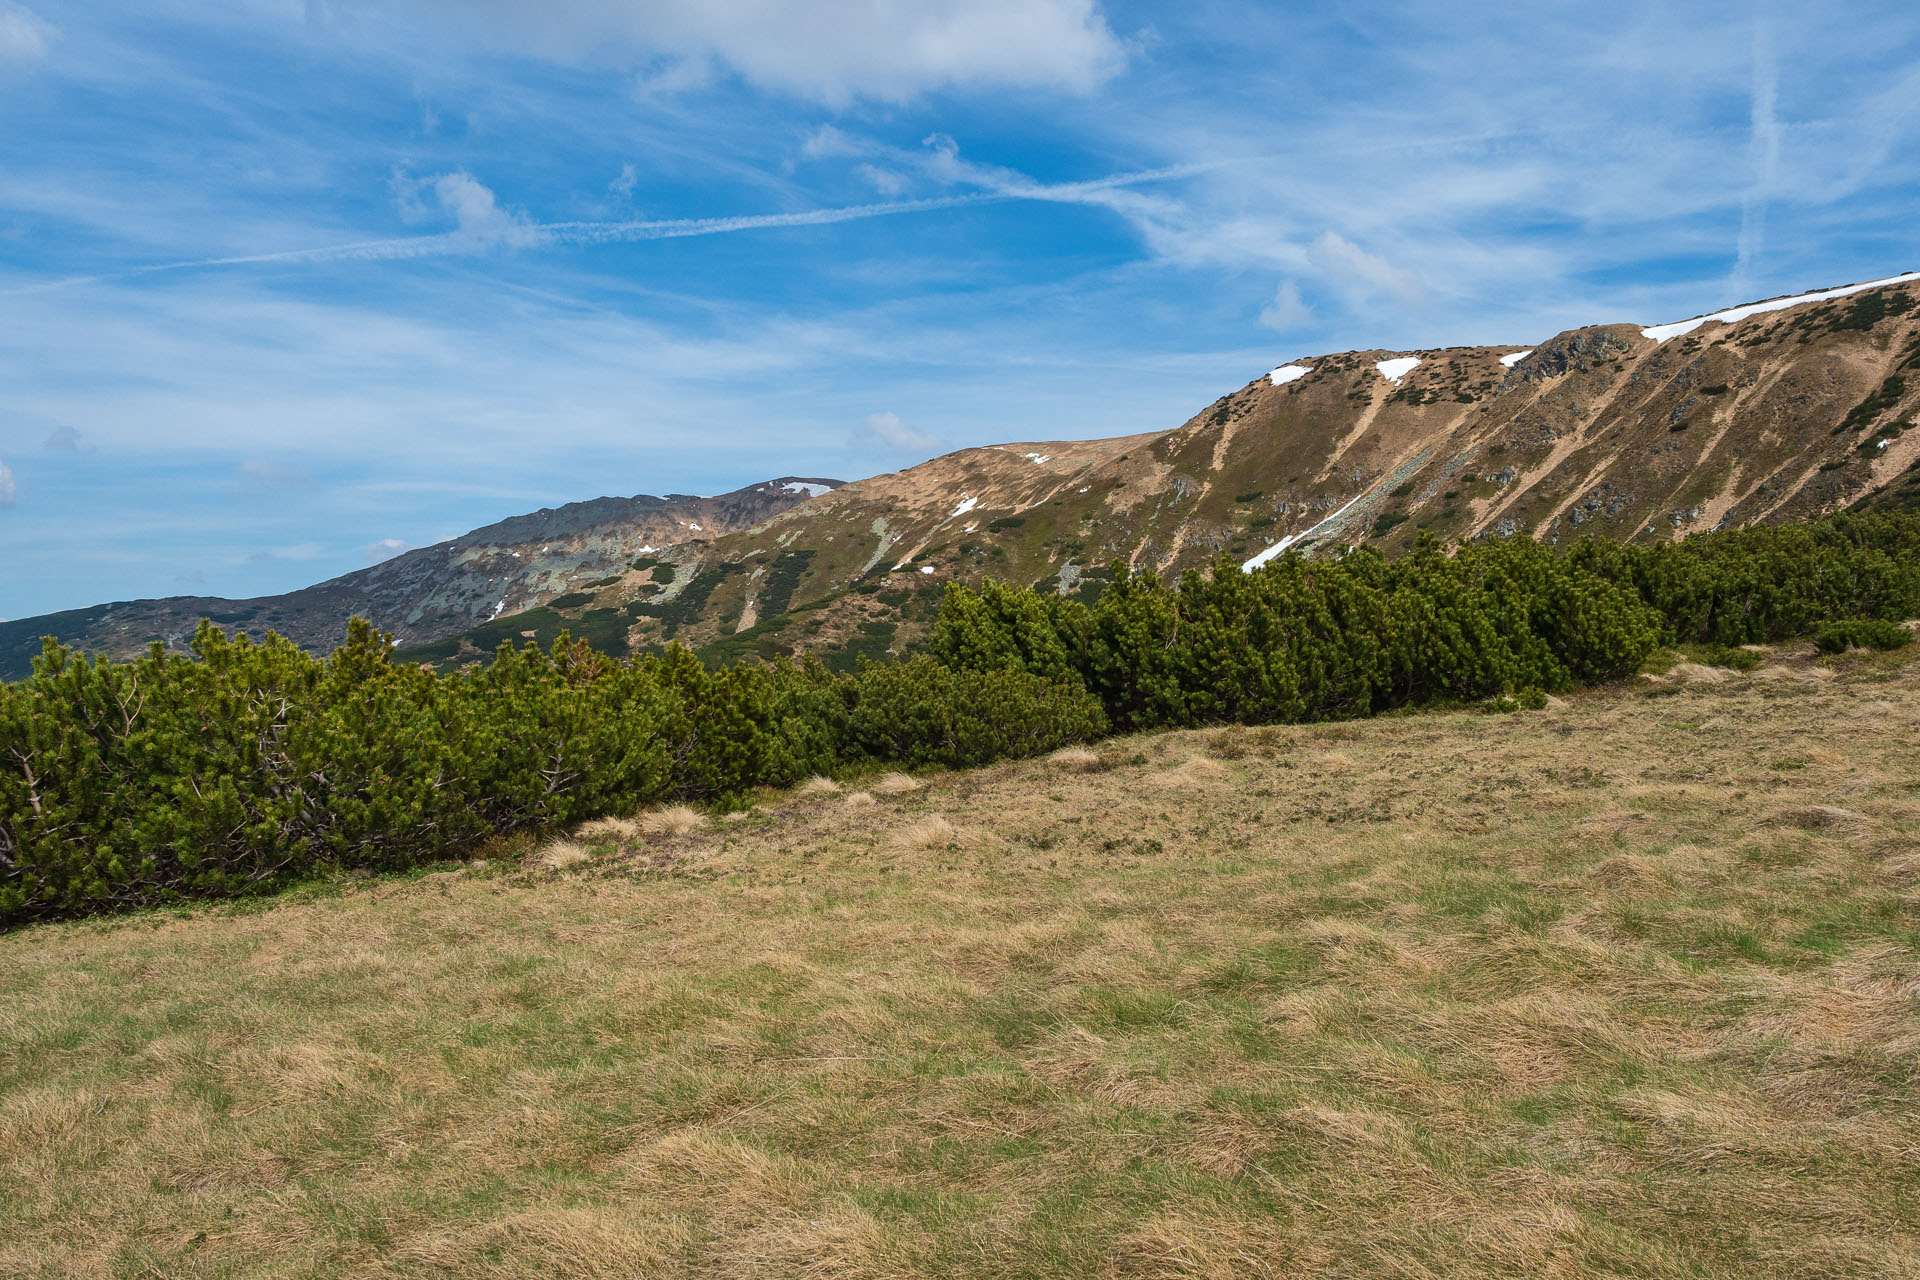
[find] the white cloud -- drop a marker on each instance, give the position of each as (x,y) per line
(827,141)
(9,491)
(680,75)
(624,184)
(24,35)
(1362,273)
(1287,310)
(385,549)
(887,431)
(476,213)
(829,51)
(1764,143)
(887,182)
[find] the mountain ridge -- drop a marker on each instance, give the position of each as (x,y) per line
(426,593)
(1767,412)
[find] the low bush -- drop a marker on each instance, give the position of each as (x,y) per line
(247,765)
(1861,633)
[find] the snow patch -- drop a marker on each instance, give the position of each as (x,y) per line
(497,609)
(1662,332)
(1397,368)
(1289,373)
(696,528)
(1039,457)
(1083,491)
(1281,546)
(807,487)
(926,568)
(1516,357)
(966,504)
(646,550)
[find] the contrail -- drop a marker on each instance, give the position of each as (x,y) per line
(528,235)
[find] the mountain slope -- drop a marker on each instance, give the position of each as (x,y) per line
(1771,412)
(423,595)
(1613,430)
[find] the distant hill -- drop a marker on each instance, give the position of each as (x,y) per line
(1771,412)
(427,594)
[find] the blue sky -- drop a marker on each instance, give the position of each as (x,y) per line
(287,286)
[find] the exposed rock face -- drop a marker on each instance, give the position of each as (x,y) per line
(1576,352)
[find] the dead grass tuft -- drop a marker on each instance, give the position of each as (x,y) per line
(674,820)
(608,831)
(858,800)
(931,832)
(894,783)
(818,785)
(1696,673)
(560,855)
(1075,758)
(1194,771)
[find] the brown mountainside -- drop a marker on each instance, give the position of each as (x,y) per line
(1611,430)
(1605,431)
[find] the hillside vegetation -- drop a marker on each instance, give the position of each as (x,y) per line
(1628,986)
(250,766)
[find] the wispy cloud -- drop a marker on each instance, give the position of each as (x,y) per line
(24,35)
(1353,269)
(385,549)
(827,51)
(887,432)
(1764,146)
(484,227)
(9,490)
(1287,311)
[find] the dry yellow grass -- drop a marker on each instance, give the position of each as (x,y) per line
(1075,758)
(609,831)
(674,820)
(1627,987)
(893,784)
(858,800)
(931,832)
(817,786)
(559,855)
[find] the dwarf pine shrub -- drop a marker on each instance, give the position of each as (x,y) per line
(246,765)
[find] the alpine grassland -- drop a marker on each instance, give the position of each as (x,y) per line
(1626,986)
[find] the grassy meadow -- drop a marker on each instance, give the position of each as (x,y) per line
(1629,986)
